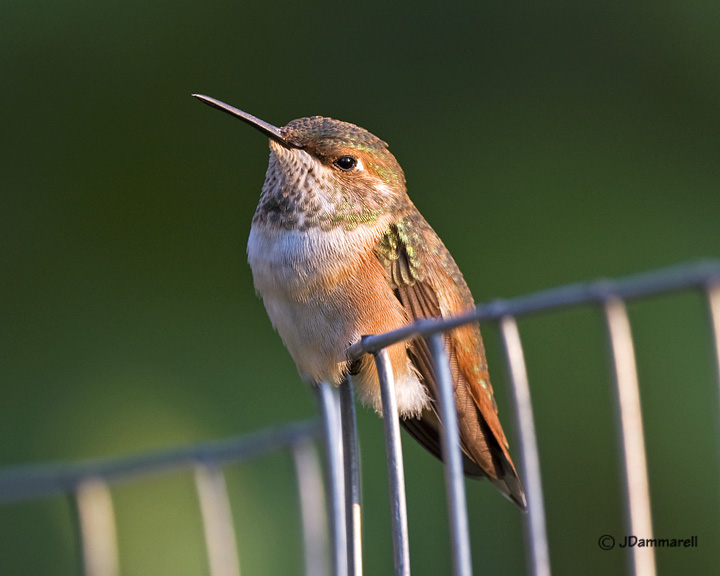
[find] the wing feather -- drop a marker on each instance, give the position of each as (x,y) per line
(417,267)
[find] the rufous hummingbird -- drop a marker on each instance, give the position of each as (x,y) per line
(338,250)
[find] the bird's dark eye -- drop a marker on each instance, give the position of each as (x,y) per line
(346,163)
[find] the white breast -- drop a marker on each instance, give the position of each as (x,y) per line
(297,263)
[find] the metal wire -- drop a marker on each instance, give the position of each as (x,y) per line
(454,480)
(34,481)
(396,469)
(632,443)
(312,510)
(536,541)
(713,298)
(351,462)
(705,275)
(330,411)
(217,520)
(96,524)
(694,275)
(88,482)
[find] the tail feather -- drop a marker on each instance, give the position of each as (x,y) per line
(507,480)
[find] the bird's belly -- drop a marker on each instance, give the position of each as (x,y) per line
(307,280)
(322,291)
(315,334)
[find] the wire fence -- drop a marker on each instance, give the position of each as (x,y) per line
(329,488)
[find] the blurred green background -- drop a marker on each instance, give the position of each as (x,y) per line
(546,142)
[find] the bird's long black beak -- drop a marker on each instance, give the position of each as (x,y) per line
(269,130)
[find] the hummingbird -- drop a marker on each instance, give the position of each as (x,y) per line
(338,250)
